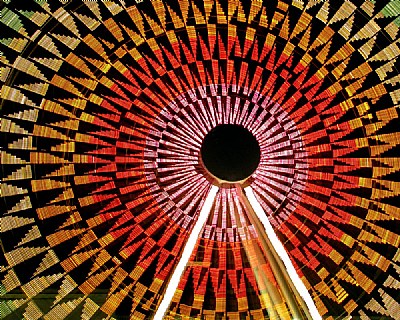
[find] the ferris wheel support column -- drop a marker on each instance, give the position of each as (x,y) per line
(297,295)
(186,253)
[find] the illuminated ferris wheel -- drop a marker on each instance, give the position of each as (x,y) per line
(200,159)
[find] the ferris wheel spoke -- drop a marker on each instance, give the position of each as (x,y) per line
(279,250)
(187,252)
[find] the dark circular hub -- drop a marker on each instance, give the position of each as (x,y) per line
(230,152)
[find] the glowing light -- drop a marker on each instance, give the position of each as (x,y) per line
(301,288)
(187,251)
(104,106)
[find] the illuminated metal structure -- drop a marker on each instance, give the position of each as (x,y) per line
(104,109)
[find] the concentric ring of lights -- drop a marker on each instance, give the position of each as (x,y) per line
(83,88)
(172,154)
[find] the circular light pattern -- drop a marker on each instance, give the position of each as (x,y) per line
(173,147)
(104,108)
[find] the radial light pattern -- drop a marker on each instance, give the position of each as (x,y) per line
(104,106)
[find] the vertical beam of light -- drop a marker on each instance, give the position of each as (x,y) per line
(280,250)
(187,252)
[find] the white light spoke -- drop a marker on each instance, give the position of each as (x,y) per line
(187,252)
(280,250)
